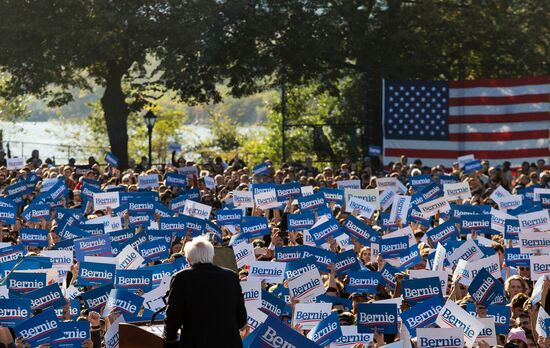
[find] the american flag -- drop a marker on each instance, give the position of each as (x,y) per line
(493,119)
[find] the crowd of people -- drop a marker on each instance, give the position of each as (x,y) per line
(358,198)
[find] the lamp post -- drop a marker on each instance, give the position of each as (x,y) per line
(150,120)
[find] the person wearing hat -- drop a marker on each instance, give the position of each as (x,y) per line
(517,336)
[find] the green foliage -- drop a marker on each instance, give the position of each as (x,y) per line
(12,108)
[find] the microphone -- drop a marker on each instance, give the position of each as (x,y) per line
(19,261)
(160,310)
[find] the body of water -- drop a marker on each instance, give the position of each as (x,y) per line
(53,139)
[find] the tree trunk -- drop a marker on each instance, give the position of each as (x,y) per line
(116,113)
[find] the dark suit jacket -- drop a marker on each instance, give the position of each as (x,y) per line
(206,302)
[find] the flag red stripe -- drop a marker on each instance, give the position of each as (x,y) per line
(482,118)
(488,154)
(503,136)
(512,99)
(514,82)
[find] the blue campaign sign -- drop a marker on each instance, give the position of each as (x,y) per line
(444,232)
(416,291)
(260,188)
(93,229)
(288,191)
(511,229)
(361,231)
(134,279)
(515,258)
(448,179)
(11,253)
(121,235)
(261,169)
(34,237)
(229,217)
(124,301)
(273,333)
(71,232)
(485,289)
(111,159)
(140,219)
(311,202)
(382,317)
(411,259)
(326,331)
(163,211)
(333,195)
(346,261)
(94,299)
(501,316)
(363,281)
(37,211)
(57,191)
(296,268)
(415,215)
(17,189)
(255,226)
(8,214)
(375,150)
(99,245)
(155,250)
(63,213)
(14,311)
(67,244)
(87,192)
(323,258)
(545,200)
(175,180)
(213,229)
(323,231)
(286,254)
(418,182)
(192,195)
(387,223)
(428,193)
(472,166)
(73,334)
(480,223)
(48,296)
(42,328)
(160,271)
(271,304)
(394,247)
(422,314)
(172,224)
(93,273)
(141,206)
(348,304)
(388,274)
(6,202)
(177,205)
(300,222)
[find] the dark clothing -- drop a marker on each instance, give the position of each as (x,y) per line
(206,302)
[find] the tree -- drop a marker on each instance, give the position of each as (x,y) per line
(53,46)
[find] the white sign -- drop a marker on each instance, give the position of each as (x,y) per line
(499,193)
(371,196)
(462,160)
(153,299)
(490,263)
(434,206)
(353,184)
(534,242)
(252,294)
(306,286)
(310,314)
(112,337)
(488,334)
(424,273)
(244,254)
(15,163)
(271,272)
(307,190)
(266,200)
(386,198)
(538,191)
(468,251)
(129,258)
(196,209)
(104,200)
(510,202)
(460,190)
(386,183)
(453,316)
(243,199)
(364,208)
(400,208)
(439,258)
(209,182)
(540,266)
(47,184)
(436,337)
(148,181)
(535,221)
(351,338)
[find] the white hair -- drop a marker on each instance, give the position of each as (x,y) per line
(199,250)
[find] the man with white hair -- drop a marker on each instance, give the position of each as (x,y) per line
(205,302)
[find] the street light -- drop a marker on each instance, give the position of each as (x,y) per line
(150,120)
